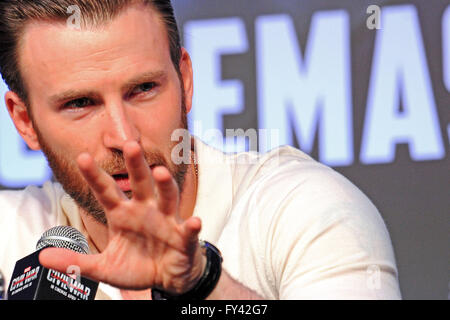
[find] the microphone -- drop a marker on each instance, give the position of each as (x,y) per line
(31,281)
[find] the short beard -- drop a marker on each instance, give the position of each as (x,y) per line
(66,172)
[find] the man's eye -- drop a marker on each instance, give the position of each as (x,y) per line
(78,103)
(143,88)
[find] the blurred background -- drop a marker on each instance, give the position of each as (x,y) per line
(361,86)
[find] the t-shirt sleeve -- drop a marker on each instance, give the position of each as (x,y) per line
(25,215)
(326,240)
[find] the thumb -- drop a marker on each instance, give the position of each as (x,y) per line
(62,259)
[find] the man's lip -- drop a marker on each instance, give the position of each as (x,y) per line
(123,174)
(120,173)
(123,180)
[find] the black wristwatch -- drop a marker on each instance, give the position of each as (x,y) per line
(207,282)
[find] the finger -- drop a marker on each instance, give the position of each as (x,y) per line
(139,172)
(105,189)
(167,188)
(61,259)
(192,228)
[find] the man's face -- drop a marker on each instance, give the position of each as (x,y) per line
(92,90)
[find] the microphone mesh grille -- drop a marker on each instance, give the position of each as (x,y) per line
(64,237)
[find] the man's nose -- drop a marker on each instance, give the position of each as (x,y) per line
(119,127)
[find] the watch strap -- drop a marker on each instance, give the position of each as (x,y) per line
(207,282)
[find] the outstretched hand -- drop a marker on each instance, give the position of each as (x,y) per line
(149,246)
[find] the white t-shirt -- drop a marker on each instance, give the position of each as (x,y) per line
(288,227)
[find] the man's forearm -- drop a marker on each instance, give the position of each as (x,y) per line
(230,289)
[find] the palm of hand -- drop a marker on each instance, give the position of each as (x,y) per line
(149,244)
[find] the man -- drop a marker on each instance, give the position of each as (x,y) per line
(103,102)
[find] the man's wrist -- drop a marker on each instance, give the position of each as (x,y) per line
(212,269)
(198,270)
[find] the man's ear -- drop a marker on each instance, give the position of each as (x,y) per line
(22,121)
(187,75)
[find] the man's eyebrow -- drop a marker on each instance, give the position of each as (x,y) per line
(130,84)
(142,78)
(71,95)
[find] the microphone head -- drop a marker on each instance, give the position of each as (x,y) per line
(64,237)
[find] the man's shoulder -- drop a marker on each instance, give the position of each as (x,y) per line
(284,168)
(25,215)
(287,181)
(31,201)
